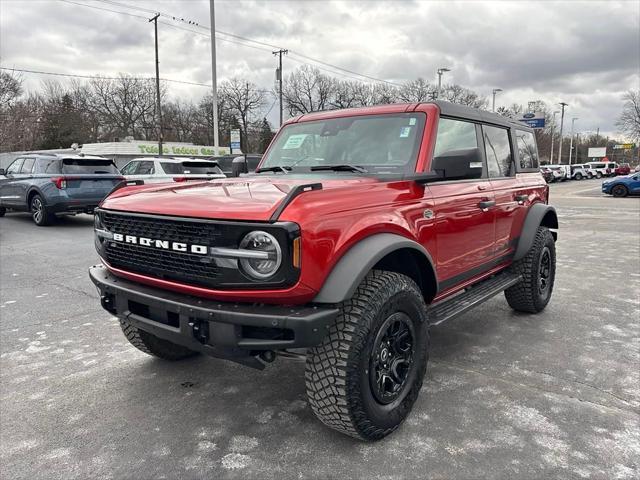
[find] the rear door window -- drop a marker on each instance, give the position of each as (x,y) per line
(84,166)
(455,135)
(129,168)
(498,150)
(527,149)
(52,166)
(145,168)
(27,166)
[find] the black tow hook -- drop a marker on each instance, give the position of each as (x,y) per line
(200,330)
(107,302)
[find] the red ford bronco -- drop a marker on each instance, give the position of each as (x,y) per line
(359,230)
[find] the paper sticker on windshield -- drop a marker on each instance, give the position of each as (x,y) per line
(404,132)
(475,165)
(412,121)
(294,141)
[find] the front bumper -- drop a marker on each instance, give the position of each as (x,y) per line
(227,330)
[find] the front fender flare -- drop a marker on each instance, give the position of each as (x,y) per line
(539,214)
(354,265)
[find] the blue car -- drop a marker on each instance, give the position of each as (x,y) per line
(623,186)
(51,185)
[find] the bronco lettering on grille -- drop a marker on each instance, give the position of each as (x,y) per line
(163,244)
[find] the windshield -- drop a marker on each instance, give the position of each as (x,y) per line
(377,143)
(192,167)
(88,166)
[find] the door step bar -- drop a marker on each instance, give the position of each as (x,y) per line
(472,296)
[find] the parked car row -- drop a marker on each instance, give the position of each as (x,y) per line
(560,173)
(48,185)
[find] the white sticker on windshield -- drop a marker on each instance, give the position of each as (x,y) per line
(294,141)
(412,121)
(404,132)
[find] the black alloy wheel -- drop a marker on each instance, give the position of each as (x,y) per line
(392,358)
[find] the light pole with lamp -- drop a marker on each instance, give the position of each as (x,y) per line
(441,70)
(573,121)
(553,124)
(495,90)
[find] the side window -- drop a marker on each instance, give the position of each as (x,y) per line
(498,150)
(455,135)
(527,150)
(52,166)
(27,166)
(15,166)
(145,168)
(129,168)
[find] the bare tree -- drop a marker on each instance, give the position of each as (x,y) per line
(10,89)
(418,90)
(629,120)
(246,101)
(307,90)
(463,96)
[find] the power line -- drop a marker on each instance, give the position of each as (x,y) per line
(103,77)
(239,37)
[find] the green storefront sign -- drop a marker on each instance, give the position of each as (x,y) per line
(184,150)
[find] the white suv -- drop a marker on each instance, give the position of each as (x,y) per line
(165,169)
(559,172)
(601,169)
(578,172)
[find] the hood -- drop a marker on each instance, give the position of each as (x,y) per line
(230,199)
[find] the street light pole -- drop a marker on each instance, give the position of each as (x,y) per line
(440,72)
(214,81)
(553,125)
(495,90)
(573,121)
(158,106)
(563,104)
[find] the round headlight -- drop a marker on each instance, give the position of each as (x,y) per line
(263,266)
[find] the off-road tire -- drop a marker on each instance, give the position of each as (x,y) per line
(598,175)
(2,211)
(578,176)
(337,374)
(39,212)
(526,295)
(152,345)
(619,191)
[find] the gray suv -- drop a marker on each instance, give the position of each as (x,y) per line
(50,185)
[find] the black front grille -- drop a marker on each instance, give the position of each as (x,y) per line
(165,264)
(184,267)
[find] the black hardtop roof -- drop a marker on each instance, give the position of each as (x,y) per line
(449,109)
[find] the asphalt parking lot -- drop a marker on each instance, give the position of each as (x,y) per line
(507,395)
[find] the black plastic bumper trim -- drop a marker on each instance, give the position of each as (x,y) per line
(309,324)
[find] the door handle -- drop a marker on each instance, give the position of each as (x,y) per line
(482,187)
(521,199)
(486,204)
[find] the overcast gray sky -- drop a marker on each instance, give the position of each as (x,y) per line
(584,53)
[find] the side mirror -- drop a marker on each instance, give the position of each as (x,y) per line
(459,164)
(2,171)
(239,166)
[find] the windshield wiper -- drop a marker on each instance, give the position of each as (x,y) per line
(339,168)
(277,168)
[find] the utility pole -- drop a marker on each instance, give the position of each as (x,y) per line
(279,77)
(440,72)
(155,25)
(495,90)
(573,121)
(563,104)
(214,81)
(597,135)
(553,125)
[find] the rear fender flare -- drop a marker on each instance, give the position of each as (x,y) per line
(354,265)
(540,214)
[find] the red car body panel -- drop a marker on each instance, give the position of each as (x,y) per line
(459,236)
